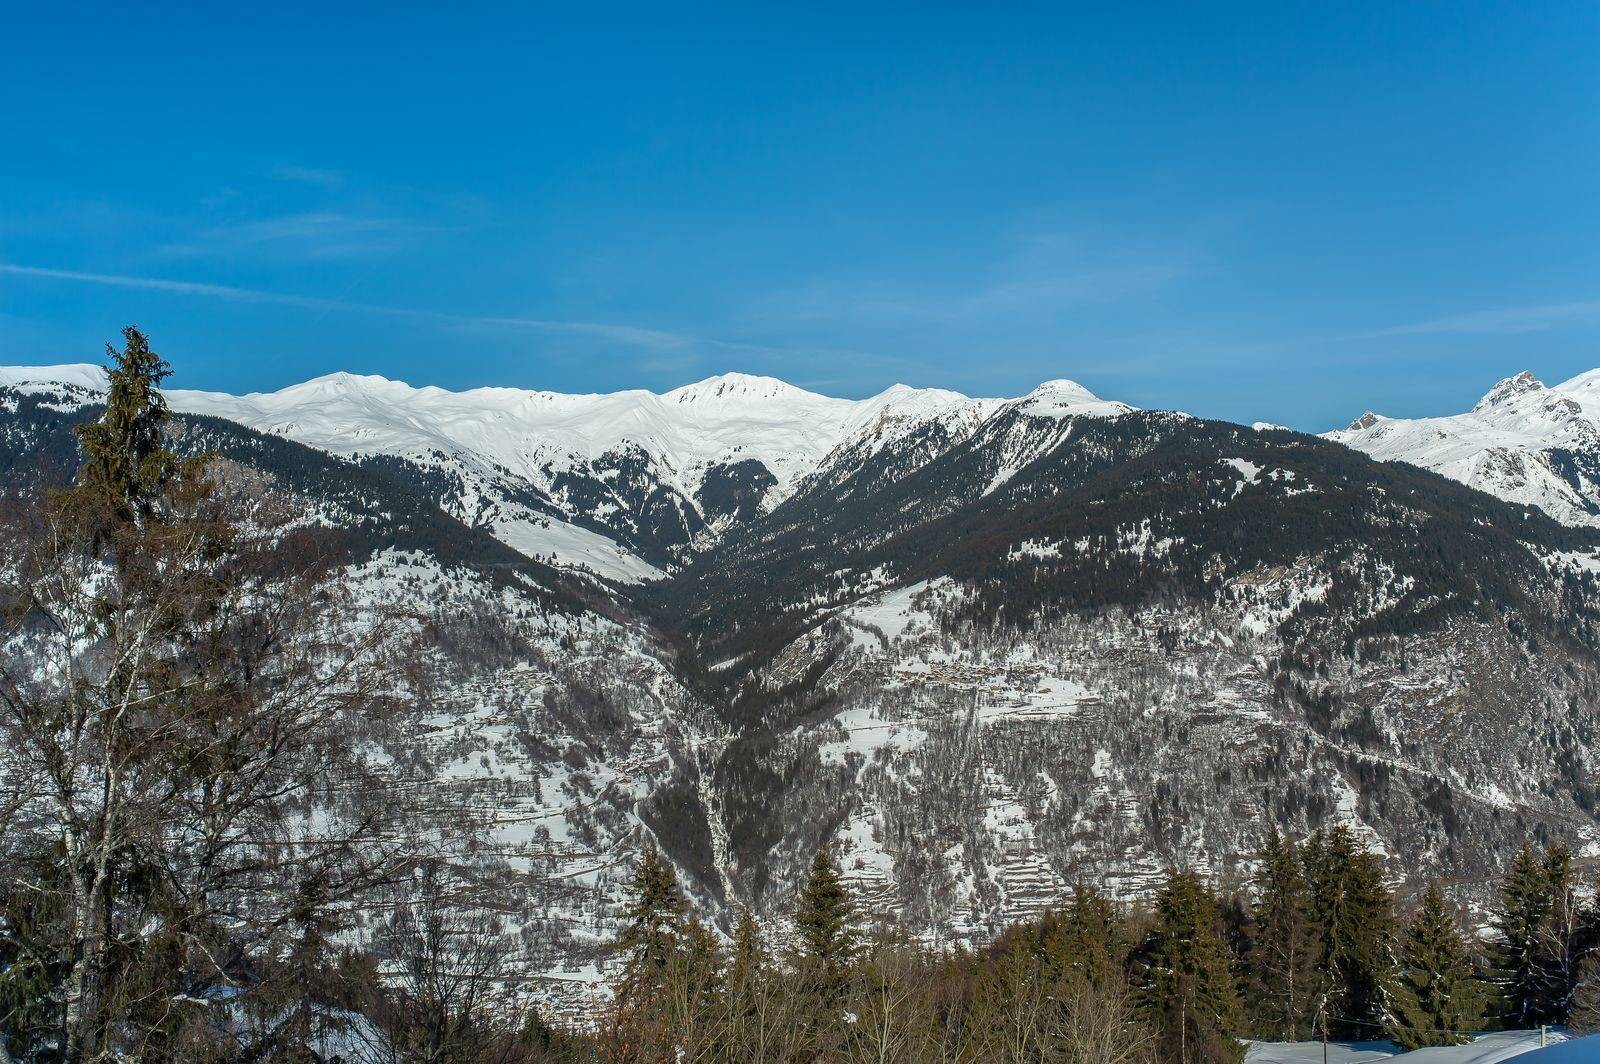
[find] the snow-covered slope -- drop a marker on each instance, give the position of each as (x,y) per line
(620,483)
(1523,441)
(1485,1049)
(82,375)
(531,433)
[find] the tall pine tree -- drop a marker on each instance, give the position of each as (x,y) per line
(748,956)
(1187,993)
(1353,914)
(654,925)
(1561,944)
(1368,961)
(1520,922)
(1084,943)
(825,927)
(1436,1000)
(126,465)
(1285,978)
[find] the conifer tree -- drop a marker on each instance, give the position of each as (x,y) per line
(762,1016)
(749,952)
(1353,915)
(1435,999)
(654,923)
(1561,944)
(1368,961)
(1084,943)
(825,926)
(1187,992)
(1525,906)
(694,984)
(701,959)
(125,462)
(1283,971)
(747,963)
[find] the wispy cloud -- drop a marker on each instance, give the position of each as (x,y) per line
(308,175)
(307,234)
(161,284)
(1036,271)
(654,340)
(1504,321)
(315,225)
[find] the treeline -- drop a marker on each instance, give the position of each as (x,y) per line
(1314,946)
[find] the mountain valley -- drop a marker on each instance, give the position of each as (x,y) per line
(985,648)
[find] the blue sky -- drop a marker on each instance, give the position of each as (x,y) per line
(1289,212)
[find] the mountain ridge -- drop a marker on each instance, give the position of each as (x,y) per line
(629,484)
(656,474)
(1524,441)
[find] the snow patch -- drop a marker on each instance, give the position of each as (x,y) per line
(568,546)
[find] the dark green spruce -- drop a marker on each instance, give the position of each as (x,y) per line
(1435,999)
(1285,974)
(1187,992)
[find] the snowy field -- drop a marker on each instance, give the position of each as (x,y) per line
(1490,1048)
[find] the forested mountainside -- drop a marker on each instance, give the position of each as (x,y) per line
(987,648)
(1092,646)
(538,715)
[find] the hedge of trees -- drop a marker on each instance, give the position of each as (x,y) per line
(1312,948)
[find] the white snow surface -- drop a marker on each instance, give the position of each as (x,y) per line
(1500,445)
(569,546)
(1486,1049)
(81,375)
(533,437)
(1061,398)
(726,418)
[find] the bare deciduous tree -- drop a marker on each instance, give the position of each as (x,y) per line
(447,994)
(177,678)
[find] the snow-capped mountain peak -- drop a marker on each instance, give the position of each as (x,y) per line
(603,480)
(1522,441)
(738,387)
(1064,398)
(1365,421)
(1509,390)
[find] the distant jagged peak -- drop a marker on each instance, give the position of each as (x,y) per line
(1366,421)
(1510,389)
(1523,441)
